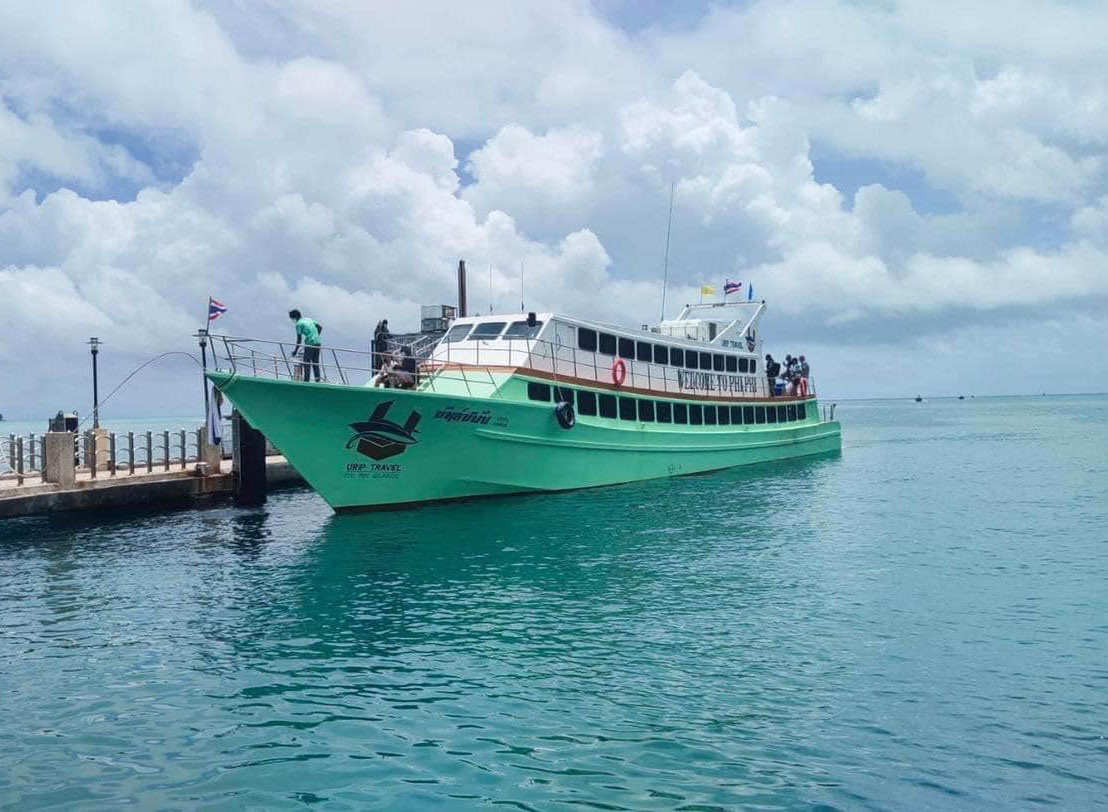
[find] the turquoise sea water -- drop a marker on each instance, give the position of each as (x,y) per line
(919,623)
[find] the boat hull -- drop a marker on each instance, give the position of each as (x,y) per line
(365,448)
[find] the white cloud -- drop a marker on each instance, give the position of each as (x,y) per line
(325,154)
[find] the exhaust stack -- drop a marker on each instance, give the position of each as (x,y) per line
(461,288)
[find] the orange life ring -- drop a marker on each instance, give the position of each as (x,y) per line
(619,372)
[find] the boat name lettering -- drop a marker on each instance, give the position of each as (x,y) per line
(466,415)
(715,381)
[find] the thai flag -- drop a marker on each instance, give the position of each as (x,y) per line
(730,287)
(216,309)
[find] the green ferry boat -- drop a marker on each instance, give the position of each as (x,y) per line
(519,403)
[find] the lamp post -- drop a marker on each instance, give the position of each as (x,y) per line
(94,348)
(202,337)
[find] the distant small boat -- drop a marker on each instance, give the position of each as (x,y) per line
(919,399)
(961,397)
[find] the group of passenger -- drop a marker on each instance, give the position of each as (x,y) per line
(789,380)
(391,369)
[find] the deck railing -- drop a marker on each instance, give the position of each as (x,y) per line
(473,364)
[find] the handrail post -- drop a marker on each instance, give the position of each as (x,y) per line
(230,355)
(342,375)
(149,452)
(19,460)
(11,451)
(111,453)
(130,453)
(165,448)
(90,453)
(184,450)
(32,465)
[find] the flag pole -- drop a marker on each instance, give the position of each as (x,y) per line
(202,335)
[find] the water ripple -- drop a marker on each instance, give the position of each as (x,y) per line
(918,623)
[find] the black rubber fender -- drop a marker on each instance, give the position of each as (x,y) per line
(564,413)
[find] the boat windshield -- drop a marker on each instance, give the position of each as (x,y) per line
(521,329)
(487,331)
(457,332)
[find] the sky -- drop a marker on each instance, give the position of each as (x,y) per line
(917,189)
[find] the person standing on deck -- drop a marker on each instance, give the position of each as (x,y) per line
(773,369)
(380,345)
(308,331)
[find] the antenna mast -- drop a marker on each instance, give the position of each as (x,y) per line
(522,309)
(665,261)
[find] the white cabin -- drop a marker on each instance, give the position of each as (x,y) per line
(709,350)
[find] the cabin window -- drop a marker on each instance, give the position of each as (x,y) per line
(690,359)
(792,412)
(521,329)
(744,365)
(680,413)
(710,415)
(705,360)
(486,331)
(626,348)
(717,363)
(563,394)
(644,351)
(732,363)
(771,414)
(646,411)
(802,411)
(736,415)
(676,356)
(607,405)
(753,364)
(696,414)
(586,403)
(725,415)
(665,411)
(748,414)
(538,391)
(586,339)
(661,354)
(759,414)
(627,409)
(457,333)
(607,343)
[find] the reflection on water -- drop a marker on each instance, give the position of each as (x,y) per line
(912,623)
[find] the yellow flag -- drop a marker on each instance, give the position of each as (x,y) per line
(707,290)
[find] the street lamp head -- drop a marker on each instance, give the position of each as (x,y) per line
(94,345)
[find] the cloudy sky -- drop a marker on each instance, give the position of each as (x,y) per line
(918,189)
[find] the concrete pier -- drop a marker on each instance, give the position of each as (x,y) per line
(81,490)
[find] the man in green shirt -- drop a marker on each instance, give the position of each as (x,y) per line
(308,331)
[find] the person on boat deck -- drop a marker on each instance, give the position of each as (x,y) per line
(403,375)
(307,330)
(773,369)
(803,367)
(380,344)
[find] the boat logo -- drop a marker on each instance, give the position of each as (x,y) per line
(380,438)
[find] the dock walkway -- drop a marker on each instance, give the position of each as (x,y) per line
(141,488)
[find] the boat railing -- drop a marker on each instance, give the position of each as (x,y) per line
(475,365)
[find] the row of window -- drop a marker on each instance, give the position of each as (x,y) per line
(491,330)
(608,344)
(594,404)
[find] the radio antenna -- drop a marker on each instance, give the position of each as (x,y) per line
(665,260)
(522,309)
(490,289)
